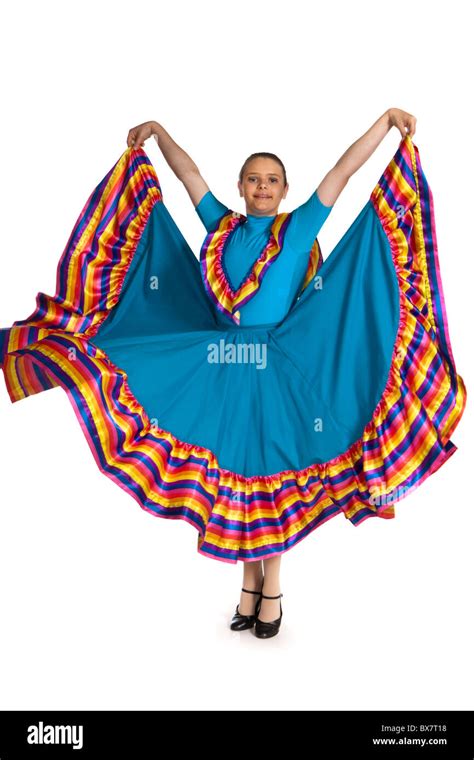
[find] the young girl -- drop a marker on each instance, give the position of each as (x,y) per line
(263,185)
(258,392)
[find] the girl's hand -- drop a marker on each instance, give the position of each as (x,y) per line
(401,119)
(138,134)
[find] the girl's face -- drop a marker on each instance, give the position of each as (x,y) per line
(262,187)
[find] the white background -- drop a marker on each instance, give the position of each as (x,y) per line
(102,605)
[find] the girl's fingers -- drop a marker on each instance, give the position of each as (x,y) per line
(136,141)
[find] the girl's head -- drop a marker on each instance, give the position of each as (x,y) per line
(262,183)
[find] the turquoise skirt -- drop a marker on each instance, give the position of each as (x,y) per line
(253,435)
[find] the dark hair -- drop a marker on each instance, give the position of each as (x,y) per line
(262,155)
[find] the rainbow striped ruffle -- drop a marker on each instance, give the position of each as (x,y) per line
(237,517)
(214,277)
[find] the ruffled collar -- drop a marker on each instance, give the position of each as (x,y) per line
(213,273)
(215,278)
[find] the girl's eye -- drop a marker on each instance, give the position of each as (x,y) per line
(272,179)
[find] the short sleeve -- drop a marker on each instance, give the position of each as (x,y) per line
(210,210)
(306,222)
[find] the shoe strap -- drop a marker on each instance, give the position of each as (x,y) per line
(271,597)
(251,592)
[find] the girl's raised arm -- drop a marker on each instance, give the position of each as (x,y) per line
(177,158)
(357,154)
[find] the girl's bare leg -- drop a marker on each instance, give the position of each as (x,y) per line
(253,577)
(270,609)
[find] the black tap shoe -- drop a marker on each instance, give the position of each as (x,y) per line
(242,622)
(264,630)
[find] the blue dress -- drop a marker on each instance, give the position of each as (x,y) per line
(338,401)
(284,279)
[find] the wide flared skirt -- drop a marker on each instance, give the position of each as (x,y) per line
(255,435)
